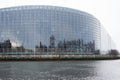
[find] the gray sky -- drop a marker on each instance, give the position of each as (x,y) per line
(107,11)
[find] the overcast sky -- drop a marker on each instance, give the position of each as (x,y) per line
(107,11)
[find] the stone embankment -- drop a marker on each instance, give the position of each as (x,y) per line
(56,57)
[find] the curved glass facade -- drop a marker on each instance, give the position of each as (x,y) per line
(51,29)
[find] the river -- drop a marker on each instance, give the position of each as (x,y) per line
(60,70)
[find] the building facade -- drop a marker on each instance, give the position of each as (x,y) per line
(53,29)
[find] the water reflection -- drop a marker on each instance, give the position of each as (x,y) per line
(60,70)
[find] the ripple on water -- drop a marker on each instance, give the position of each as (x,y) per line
(64,70)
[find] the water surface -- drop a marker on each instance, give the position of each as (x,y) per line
(61,70)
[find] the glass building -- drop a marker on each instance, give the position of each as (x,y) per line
(52,29)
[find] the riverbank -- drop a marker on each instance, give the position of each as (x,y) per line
(60,58)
